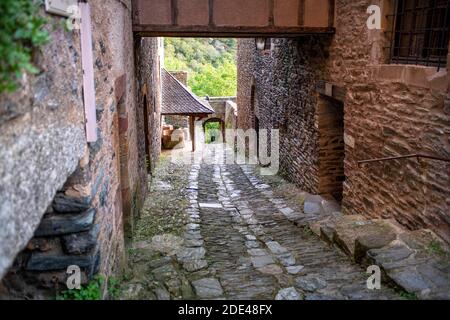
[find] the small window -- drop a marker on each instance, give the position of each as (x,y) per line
(420,33)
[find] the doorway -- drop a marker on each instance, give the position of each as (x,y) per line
(331,146)
(147,137)
(214,131)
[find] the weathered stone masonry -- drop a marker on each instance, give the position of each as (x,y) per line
(76,198)
(389,110)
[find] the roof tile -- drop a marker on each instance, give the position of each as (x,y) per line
(177,99)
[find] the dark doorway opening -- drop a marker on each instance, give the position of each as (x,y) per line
(257,135)
(147,136)
(331,147)
(214,130)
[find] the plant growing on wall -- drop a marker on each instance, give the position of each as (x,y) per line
(21,31)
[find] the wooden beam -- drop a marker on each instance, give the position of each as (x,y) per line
(271,13)
(211,12)
(174,5)
(301,13)
(331,9)
(192,131)
(228,32)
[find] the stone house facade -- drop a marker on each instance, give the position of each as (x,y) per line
(65,201)
(345,98)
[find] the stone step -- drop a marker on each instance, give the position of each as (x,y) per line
(417,261)
(320,205)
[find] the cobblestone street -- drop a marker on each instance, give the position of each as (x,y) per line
(221,231)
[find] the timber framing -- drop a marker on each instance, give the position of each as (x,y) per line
(233,18)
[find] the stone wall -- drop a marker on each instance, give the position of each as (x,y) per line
(177,121)
(277,88)
(42,139)
(390,110)
(76,198)
(148,56)
(330,122)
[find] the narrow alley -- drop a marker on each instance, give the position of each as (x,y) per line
(218,231)
(224,149)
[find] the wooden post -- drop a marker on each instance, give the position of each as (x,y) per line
(192,131)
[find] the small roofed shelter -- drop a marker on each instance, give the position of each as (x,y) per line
(178,100)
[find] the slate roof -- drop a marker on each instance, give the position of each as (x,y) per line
(178,100)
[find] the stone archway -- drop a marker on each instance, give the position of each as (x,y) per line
(222,126)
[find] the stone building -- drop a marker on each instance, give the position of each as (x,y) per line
(360,94)
(181,106)
(179,103)
(67,198)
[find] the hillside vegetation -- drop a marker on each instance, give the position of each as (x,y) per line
(211,64)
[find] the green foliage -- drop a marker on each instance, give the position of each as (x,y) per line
(211,128)
(21,31)
(408,296)
(307,232)
(113,288)
(91,291)
(435,247)
(211,64)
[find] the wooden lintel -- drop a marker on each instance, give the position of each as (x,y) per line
(228,32)
(192,131)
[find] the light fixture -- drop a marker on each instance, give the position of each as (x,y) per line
(260,43)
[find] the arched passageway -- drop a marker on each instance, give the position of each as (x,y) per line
(214,130)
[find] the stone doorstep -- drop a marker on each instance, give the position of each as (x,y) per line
(355,235)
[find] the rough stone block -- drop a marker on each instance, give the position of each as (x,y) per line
(67,204)
(416,264)
(42,244)
(262,261)
(310,283)
(80,243)
(207,288)
(56,224)
(44,261)
(288,294)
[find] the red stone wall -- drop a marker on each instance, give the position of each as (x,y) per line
(278,88)
(94,191)
(148,53)
(390,110)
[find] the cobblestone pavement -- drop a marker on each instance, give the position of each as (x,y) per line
(232,240)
